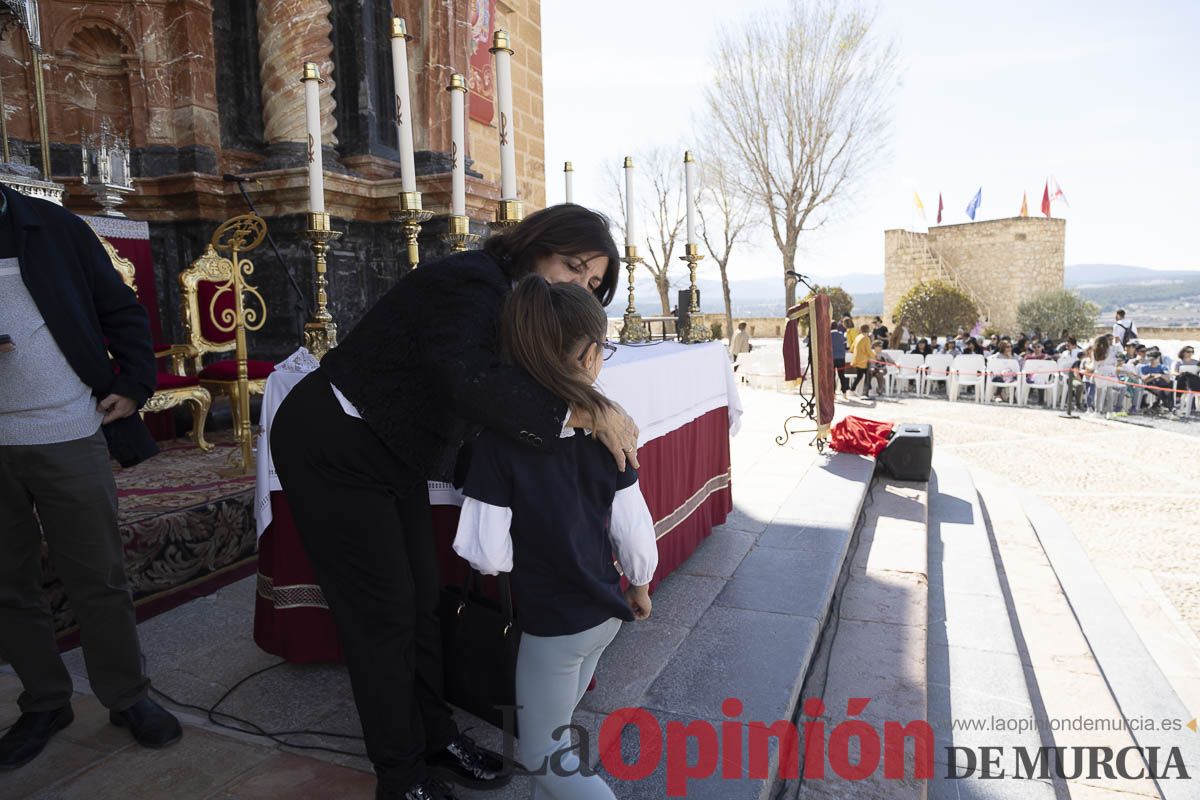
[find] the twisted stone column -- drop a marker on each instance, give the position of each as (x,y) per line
(291,32)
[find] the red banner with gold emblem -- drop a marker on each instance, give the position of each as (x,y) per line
(481,77)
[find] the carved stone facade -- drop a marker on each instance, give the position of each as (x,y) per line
(1000,262)
(208,87)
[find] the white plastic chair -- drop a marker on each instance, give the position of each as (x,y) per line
(1003,374)
(965,371)
(909,368)
(1040,375)
(894,354)
(1065,378)
(937,370)
(1187,402)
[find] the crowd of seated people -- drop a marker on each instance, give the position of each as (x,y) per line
(1137,378)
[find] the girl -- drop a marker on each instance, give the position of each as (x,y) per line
(555,521)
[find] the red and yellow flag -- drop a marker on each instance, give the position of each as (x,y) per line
(1024,204)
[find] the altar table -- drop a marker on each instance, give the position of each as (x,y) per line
(685,401)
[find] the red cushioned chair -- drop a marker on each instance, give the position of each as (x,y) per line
(174,388)
(208,306)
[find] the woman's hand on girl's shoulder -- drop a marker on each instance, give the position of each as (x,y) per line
(639,601)
(617,431)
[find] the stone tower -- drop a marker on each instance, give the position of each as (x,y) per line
(999,262)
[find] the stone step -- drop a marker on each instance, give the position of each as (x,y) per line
(874,646)
(739,620)
(974,670)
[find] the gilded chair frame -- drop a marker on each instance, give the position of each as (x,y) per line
(215,268)
(197,397)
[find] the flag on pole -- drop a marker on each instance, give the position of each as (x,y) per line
(1046,199)
(920,205)
(1058,194)
(940,208)
(973,206)
(1024,204)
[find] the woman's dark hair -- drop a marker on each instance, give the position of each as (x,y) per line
(566,230)
(1101,347)
(542,330)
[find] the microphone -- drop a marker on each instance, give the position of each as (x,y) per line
(233,178)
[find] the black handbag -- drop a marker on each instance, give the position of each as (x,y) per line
(480,639)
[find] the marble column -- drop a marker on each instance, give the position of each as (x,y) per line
(291,32)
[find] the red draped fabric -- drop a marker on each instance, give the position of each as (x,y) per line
(684,476)
(824,361)
(138,251)
(791,350)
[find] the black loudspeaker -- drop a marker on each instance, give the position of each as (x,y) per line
(909,455)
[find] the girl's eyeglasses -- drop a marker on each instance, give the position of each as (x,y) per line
(608,347)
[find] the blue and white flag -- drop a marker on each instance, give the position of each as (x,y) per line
(973,206)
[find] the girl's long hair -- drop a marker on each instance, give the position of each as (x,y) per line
(543,329)
(566,230)
(1101,347)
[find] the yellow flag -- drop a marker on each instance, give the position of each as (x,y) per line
(1024,205)
(920,205)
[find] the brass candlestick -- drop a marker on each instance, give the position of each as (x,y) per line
(411,216)
(320,332)
(694,331)
(634,330)
(459,235)
(508,214)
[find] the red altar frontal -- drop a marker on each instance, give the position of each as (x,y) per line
(685,402)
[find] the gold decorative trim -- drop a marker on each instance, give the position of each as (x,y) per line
(121,264)
(197,396)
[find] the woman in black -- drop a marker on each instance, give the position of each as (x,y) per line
(355,442)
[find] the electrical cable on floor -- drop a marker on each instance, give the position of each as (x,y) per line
(253,728)
(827,635)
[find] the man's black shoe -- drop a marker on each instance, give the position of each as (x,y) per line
(151,724)
(467,764)
(30,733)
(431,789)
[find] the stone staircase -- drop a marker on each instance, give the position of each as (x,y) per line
(929,262)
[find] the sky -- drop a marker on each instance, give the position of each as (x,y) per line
(1103,96)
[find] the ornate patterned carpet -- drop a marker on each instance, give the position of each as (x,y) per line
(187,530)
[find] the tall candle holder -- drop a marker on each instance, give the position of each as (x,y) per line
(634,330)
(320,332)
(694,331)
(411,216)
(508,214)
(459,235)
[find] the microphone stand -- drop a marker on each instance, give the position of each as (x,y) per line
(303,305)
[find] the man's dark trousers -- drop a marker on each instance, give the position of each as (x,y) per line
(69,487)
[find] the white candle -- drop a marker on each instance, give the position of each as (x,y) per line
(689,186)
(630,224)
(404,131)
(312,122)
(458,144)
(508,151)
(568,178)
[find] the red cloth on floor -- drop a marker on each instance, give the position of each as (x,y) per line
(866,437)
(791,350)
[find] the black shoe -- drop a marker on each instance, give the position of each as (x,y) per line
(151,724)
(431,789)
(30,733)
(467,764)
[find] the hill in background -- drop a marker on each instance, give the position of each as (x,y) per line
(1153,297)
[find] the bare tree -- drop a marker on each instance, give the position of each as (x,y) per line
(661,203)
(724,217)
(801,103)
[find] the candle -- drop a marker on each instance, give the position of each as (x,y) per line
(568,176)
(630,225)
(689,186)
(404,131)
(458,144)
(508,152)
(312,122)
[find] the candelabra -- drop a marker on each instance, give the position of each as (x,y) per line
(320,332)
(459,235)
(694,331)
(411,216)
(634,330)
(508,214)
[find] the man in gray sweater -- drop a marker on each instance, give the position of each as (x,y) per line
(63,311)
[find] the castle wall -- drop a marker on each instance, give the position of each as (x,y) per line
(1003,262)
